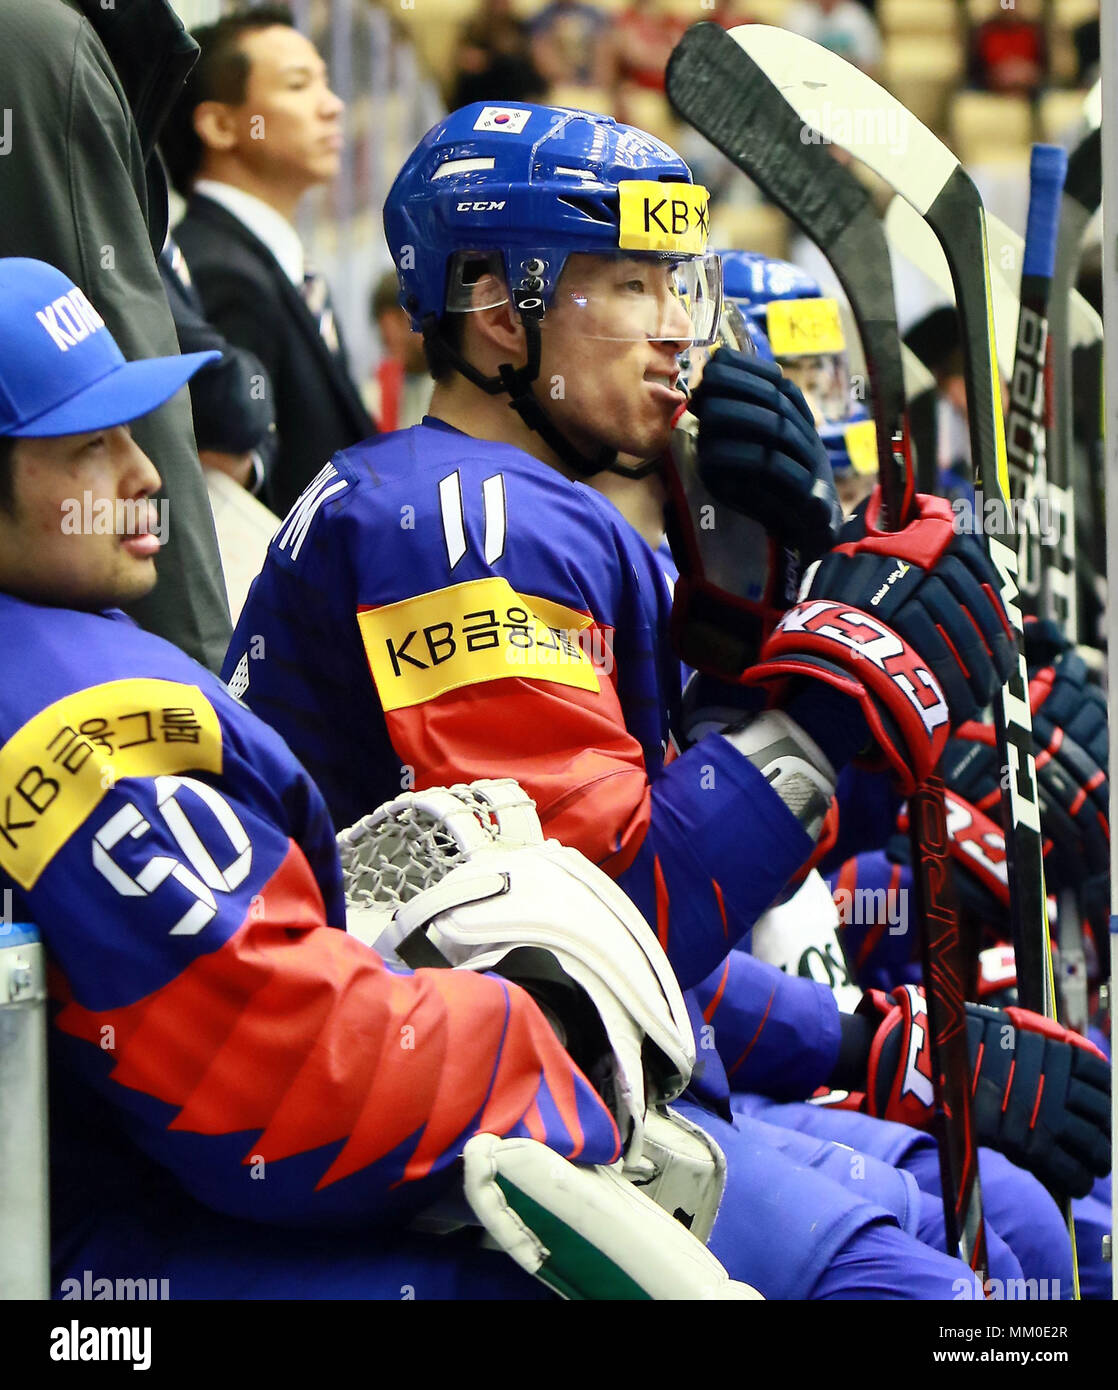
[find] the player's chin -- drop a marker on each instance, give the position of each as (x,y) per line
(648,438)
(131,580)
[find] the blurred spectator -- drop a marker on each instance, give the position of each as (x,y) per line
(1008,54)
(86,87)
(645,35)
(572,45)
(936,341)
(400,391)
(1086,40)
(231,400)
(256,128)
(495,59)
(843,26)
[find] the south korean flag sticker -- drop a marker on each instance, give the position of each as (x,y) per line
(507,118)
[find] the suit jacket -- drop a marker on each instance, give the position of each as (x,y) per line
(87,87)
(248,298)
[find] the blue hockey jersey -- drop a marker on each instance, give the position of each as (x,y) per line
(436,609)
(211,1025)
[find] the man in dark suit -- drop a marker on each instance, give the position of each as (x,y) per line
(256,127)
(85,88)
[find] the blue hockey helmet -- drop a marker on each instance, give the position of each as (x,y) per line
(530,185)
(494,200)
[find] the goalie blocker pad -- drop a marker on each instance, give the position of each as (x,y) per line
(540,914)
(586,1233)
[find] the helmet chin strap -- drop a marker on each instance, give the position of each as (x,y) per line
(517,383)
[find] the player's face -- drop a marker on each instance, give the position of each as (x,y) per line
(289,126)
(611,340)
(81,531)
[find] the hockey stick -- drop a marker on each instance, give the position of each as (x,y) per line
(819,85)
(1081,198)
(1074,321)
(1108,31)
(911,237)
(756,129)
(1051,562)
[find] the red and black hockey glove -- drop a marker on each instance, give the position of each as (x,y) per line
(909,624)
(1070,739)
(1041,1092)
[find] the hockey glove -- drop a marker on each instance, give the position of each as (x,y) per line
(1070,738)
(759,452)
(586,1233)
(735,581)
(976,844)
(462,877)
(909,624)
(1041,1093)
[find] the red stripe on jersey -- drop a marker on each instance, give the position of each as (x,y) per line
(712,1008)
(753,1040)
(847,882)
(662,903)
(718,898)
(298,1031)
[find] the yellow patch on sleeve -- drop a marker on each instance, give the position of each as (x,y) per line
(57,768)
(483,630)
(663,216)
(805,327)
(861,444)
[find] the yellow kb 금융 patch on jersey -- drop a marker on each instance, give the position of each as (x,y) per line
(861,444)
(663,216)
(57,768)
(801,327)
(469,633)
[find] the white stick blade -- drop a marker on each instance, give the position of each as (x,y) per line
(851,110)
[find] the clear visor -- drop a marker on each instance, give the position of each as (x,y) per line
(644,298)
(634,298)
(824,378)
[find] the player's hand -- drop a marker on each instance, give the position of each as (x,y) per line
(759,452)
(910,624)
(1041,1092)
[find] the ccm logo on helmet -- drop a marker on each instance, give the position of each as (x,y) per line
(481,207)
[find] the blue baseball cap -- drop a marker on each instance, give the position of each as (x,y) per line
(61,372)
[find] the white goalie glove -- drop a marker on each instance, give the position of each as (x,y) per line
(500,897)
(462,877)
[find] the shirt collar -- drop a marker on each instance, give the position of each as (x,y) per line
(264,222)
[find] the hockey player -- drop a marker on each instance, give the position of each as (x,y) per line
(246,1101)
(450,602)
(789,320)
